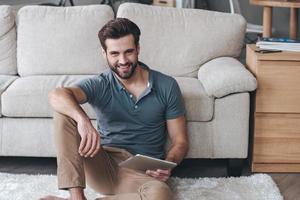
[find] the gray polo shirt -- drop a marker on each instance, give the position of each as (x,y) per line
(137,125)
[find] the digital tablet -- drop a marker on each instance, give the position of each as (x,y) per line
(143,163)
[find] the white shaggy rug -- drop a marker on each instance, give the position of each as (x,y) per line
(255,187)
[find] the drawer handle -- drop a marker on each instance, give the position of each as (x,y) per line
(163,2)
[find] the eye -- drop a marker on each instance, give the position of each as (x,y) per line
(114,54)
(130,51)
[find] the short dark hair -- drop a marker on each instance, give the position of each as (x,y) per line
(117,28)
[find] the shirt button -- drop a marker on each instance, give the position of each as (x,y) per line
(135,107)
(130,96)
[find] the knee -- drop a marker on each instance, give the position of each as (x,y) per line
(64,126)
(154,190)
(62,120)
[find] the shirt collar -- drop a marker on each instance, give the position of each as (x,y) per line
(117,82)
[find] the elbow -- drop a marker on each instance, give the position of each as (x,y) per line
(51,96)
(54,94)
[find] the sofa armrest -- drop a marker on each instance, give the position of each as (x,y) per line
(225,75)
(5,81)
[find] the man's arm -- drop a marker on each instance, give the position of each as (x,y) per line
(179,139)
(179,146)
(66,101)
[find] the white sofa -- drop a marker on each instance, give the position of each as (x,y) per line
(47,47)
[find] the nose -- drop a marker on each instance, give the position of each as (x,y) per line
(122,59)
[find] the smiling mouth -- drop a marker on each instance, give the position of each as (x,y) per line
(127,66)
(124,67)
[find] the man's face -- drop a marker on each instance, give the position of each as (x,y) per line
(122,56)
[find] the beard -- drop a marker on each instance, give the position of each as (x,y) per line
(123,71)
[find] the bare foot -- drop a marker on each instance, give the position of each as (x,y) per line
(49,197)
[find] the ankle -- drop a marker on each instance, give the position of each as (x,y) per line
(77,194)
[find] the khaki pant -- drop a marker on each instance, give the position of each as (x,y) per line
(101,172)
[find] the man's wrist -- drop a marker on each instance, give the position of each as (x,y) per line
(80,118)
(171,159)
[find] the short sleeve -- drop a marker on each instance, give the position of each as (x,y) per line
(93,87)
(175,104)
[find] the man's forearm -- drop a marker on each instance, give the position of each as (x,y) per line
(177,153)
(63,101)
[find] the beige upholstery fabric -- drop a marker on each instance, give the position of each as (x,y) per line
(226,136)
(224,75)
(57,40)
(27,137)
(8,63)
(32,92)
(231,126)
(215,139)
(178,41)
(5,81)
(198,105)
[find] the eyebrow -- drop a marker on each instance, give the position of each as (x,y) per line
(113,52)
(127,50)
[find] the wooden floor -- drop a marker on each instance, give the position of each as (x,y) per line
(289,184)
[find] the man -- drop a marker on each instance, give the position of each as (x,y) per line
(134,106)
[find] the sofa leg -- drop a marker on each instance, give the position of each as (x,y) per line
(235,166)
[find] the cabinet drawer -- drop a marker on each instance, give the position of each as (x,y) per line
(169,3)
(277,138)
(278,87)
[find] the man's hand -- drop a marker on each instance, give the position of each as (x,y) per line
(90,139)
(160,174)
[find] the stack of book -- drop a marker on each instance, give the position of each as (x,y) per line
(283,44)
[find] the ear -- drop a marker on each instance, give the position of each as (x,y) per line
(103,52)
(138,49)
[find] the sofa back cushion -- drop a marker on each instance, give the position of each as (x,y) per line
(177,41)
(57,40)
(8,62)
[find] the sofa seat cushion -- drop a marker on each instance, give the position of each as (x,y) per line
(5,81)
(199,106)
(32,92)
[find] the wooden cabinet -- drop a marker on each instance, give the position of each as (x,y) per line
(276,139)
(167,3)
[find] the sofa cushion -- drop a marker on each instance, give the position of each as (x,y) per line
(223,76)
(8,59)
(61,40)
(199,106)
(33,91)
(177,41)
(28,137)
(5,81)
